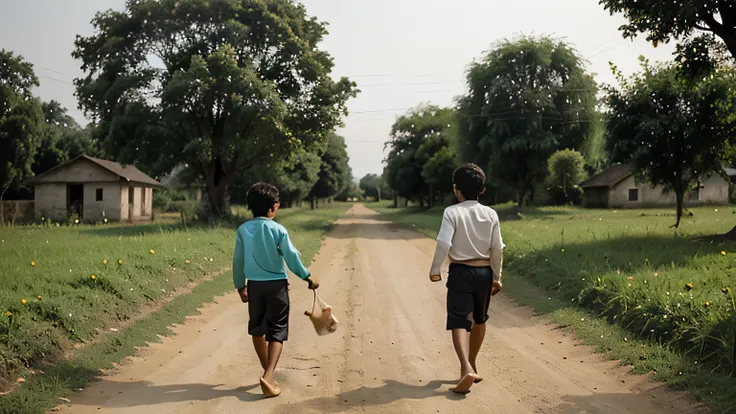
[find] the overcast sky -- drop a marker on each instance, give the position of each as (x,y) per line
(401,52)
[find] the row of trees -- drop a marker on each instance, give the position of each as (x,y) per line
(534,118)
(226,93)
(527,99)
(34,135)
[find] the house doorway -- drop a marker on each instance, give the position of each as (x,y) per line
(75,200)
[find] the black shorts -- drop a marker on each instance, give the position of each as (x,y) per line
(468,296)
(268,306)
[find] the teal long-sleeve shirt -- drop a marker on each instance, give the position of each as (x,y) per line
(261,247)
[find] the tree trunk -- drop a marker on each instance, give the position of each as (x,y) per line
(679,196)
(521,196)
(313,203)
(396,201)
(216,196)
(217,180)
(431,196)
(531,194)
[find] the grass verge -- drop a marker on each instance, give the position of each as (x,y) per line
(47,380)
(624,283)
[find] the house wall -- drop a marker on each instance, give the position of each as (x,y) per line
(136,203)
(82,171)
(124,207)
(110,204)
(142,206)
(50,201)
(714,191)
(595,197)
(148,205)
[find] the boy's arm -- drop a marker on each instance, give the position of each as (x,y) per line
(292,256)
(444,242)
(239,264)
(497,247)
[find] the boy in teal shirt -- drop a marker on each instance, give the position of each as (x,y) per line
(261,247)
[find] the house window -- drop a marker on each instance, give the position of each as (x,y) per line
(99,194)
(633,194)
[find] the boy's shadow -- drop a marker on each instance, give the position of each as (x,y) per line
(391,391)
(143,393)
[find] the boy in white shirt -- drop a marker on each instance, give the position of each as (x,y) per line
(471,235)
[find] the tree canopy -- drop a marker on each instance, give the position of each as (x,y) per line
(334,172)
(222,86)
(351,190)
(296,176)
(673,132)
(662,21)
(371,185)
(62,138)
(566,169)
(20,120)
(419,152)
(527,98)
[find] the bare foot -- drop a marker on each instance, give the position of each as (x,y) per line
(270,391)
(475,369)
(463,387)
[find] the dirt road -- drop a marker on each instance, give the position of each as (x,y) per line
(390,354)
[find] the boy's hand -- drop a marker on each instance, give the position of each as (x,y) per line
(435,278)
(243,295)
(312,284)
(497,287)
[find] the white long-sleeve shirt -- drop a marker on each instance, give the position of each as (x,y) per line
(469,231)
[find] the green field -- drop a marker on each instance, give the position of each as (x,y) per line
(661,302)
(59,294)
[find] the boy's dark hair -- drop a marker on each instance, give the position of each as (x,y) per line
(470,180)
(261,198)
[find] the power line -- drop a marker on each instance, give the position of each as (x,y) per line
(55,80)
(379,110)
(56,71)
(411,83)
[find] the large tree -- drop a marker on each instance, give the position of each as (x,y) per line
(220,85)
(527,98)
(420,138)
(334,172)
(663,21)
(62,138)
(351,191)
(371,185)
(440,160)
(566,170)
(20,120)
(674,131)
(297,175)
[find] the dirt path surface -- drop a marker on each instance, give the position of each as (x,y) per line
(390,354)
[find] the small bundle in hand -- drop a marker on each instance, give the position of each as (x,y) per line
(321,316)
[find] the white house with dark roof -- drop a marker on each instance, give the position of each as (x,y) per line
(616,187)
(95,190)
